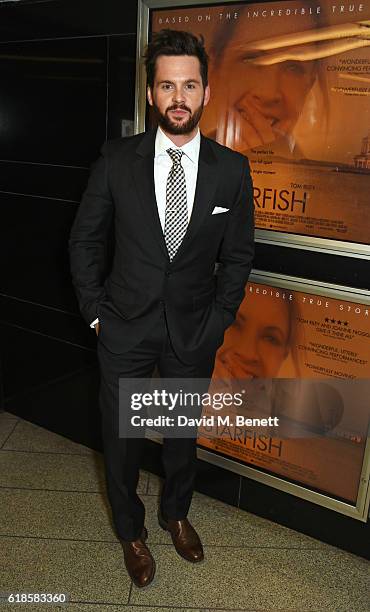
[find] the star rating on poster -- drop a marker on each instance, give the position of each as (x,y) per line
(337,321)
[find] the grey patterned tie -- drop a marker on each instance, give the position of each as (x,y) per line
(176,219)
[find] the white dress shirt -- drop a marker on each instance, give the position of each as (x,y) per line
(162,166)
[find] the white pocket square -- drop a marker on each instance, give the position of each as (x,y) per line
(219,209)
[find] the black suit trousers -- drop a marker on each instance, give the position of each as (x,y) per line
(122,456)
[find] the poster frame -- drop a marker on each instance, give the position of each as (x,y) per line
(360,510)
(270,237)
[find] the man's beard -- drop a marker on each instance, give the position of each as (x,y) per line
(185,127)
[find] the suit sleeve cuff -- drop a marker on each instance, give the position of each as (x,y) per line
(94,323)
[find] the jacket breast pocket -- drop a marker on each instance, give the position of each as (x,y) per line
(221,217)
(215,224)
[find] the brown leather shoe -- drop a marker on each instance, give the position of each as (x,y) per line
(184,537)
(139,562)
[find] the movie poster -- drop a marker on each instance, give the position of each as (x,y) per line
(305,359)
(290,87)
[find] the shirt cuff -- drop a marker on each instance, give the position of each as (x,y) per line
(94,323)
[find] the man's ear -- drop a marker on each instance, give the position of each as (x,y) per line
(207,95)
(149,95)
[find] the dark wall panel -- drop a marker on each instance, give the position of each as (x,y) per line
(66,401)
(44,180)
(34,243)
(55,323)
(53,102)
(122,63)
(55,18)
(32,360)
(67,85)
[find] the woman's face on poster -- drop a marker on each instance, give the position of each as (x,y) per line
(258,342)
(259,103)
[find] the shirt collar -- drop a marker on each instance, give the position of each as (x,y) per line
(190,149)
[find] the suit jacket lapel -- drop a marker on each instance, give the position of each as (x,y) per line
(143,173)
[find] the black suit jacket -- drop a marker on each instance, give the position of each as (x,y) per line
(199,304)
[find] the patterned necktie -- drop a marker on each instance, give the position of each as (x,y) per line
(176,219)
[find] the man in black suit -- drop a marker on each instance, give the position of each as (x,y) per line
(179,203)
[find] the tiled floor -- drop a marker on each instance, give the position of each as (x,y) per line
(56,536)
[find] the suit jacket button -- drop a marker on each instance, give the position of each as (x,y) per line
(168,273)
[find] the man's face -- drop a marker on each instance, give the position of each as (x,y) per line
(262,103)
(178,95)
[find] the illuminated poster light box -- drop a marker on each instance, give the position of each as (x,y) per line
(290,88)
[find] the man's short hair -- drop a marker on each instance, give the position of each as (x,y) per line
(173,42)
